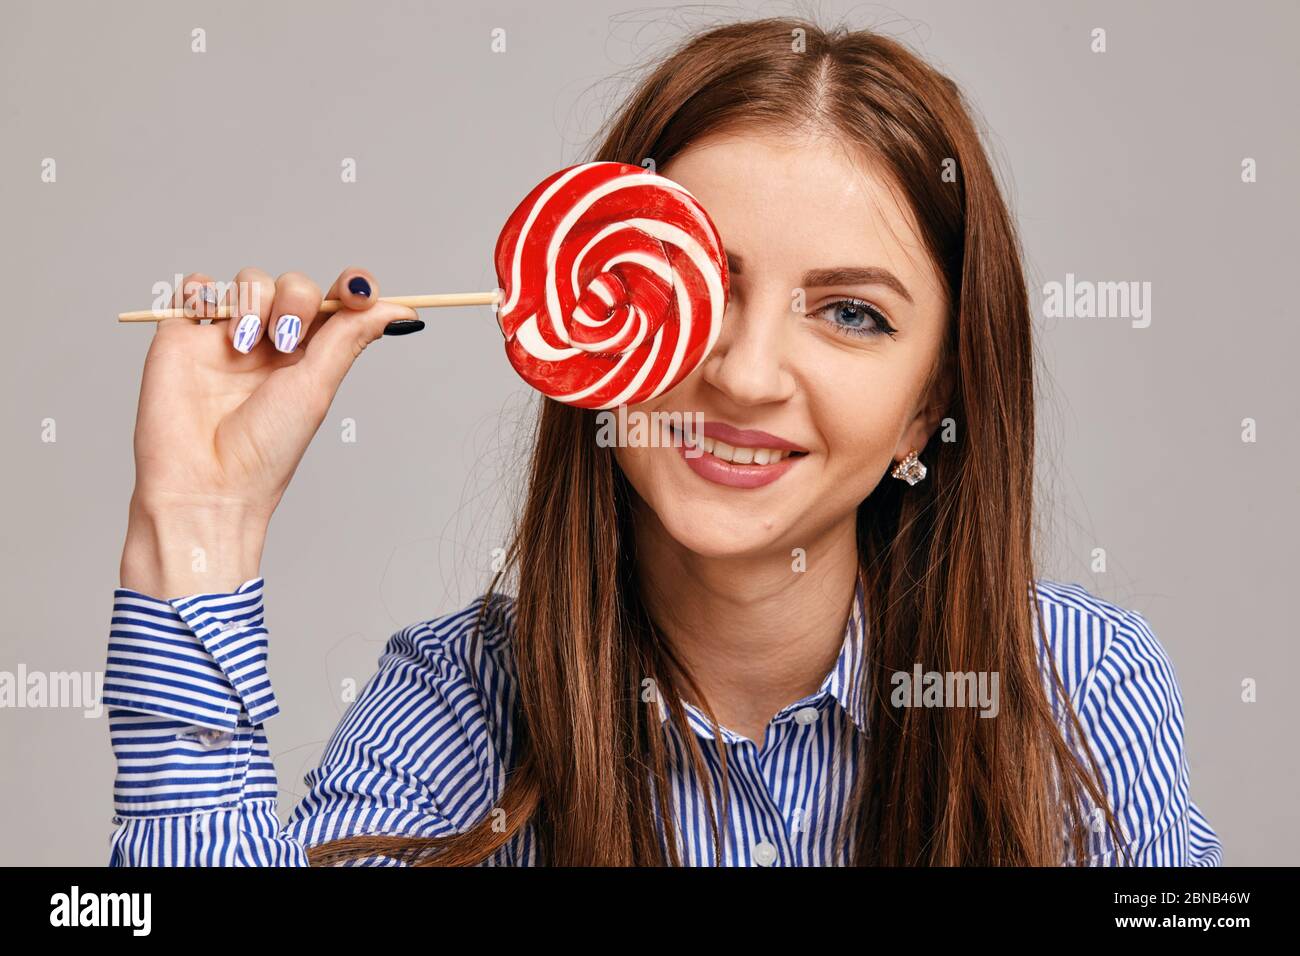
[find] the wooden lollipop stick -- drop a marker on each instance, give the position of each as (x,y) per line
(331,305)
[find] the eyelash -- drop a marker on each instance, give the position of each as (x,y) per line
(880,324)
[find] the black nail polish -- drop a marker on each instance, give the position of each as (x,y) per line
(358,285)
(403,326)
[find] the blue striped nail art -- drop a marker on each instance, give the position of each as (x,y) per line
(246,333)
(287,331)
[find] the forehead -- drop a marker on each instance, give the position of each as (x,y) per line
(802,200)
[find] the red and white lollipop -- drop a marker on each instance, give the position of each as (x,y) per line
(613,286)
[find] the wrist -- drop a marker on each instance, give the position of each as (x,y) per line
(184,548)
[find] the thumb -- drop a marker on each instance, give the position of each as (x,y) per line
(343,336)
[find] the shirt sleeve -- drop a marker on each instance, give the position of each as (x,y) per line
(187,693)
(1133,715)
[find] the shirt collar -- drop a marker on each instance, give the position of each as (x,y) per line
(842,684)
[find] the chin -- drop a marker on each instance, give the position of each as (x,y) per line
(713,531)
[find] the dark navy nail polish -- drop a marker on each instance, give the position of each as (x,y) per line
(403,326)
(358,285)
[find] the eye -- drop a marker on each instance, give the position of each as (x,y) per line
(855,317)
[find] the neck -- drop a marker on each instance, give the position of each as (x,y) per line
(755,634)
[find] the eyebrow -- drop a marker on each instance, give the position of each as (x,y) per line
(840,275)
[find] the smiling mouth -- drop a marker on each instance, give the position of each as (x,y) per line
(737,455)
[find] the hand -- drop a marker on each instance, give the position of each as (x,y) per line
(226,412)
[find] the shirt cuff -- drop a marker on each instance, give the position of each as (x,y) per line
(167,767)
(200,658)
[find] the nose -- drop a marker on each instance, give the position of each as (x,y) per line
(750,361)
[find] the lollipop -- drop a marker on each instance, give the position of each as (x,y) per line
(613,286)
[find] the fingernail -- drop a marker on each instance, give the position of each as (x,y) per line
(358,285)
(403,326)
(246,332)
(209,295)
(287,330)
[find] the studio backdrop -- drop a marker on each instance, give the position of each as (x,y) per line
(1151,147)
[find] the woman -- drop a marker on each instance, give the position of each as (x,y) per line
(717,658)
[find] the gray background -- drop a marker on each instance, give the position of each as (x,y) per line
(1121,166)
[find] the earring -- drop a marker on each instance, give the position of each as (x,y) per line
(910,469)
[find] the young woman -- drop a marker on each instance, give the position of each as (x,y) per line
(712,660)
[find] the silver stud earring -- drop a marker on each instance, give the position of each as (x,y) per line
(910,469)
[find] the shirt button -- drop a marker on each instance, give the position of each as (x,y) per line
(764,853)
(212,739)
(806,716)
(209,738)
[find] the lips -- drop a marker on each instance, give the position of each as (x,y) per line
(741,458)
(748,437)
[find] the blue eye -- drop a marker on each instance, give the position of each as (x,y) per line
(855,317)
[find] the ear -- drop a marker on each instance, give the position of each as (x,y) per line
(934,407)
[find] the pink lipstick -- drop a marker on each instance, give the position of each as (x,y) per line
(742,457)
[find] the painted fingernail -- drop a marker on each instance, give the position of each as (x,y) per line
(358,285)
(209,295)
(246,332)
(287,330)
(403,326)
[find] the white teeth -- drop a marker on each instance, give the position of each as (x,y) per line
(741,456)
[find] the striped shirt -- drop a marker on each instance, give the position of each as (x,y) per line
(425,748)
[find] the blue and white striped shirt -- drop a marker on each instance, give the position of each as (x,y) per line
(424,749)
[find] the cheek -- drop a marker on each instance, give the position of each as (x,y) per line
(643,466)
(644,470)
(860,417)
(858,453)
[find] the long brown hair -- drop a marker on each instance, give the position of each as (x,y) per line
(947,564)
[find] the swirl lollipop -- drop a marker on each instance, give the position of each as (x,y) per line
(614,283)
(613,286)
